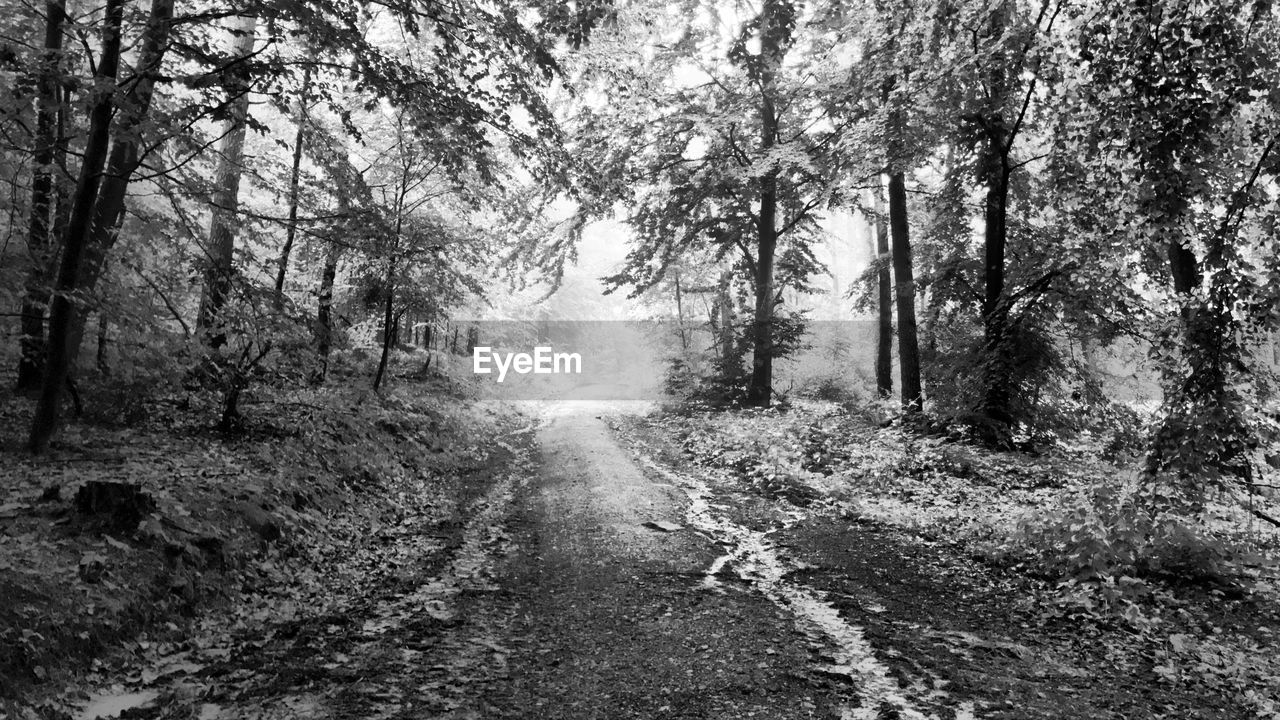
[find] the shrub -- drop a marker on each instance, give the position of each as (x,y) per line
(680,380)
(829,388)
(1109,533)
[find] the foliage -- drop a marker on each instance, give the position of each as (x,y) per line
(466,83)
(1109,534)
(336,469)
(1032,364)
(719,377)
(1080,172)
(1124,428)
(1229,666)
(1176,115)
(827,376)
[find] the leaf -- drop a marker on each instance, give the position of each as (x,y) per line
(1180,643)
(663,525)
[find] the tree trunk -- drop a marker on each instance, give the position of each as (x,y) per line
(1207,342)
(1184,268)
(108,212)
(388,320)
(324,308)
(294,176)
(905,289)
(884,302)
(903,273)
(722,321)
(35,298)
(684,338)
(1197,403)
(995,313)
(994,174)
(62,186)
(760,391)
(103,324)
(62,310)
(226,196)
(124,150)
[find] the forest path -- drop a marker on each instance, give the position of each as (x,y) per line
(616,618)
(551,598)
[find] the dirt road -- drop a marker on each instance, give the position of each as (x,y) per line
(587,581)
(592,575)
(619,613)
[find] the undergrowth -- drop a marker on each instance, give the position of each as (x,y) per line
(1088,548)
(1063,514)
(323,466)
(1109,549)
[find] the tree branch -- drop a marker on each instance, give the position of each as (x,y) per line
(186,329)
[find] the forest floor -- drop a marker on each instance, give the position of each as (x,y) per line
(583,560)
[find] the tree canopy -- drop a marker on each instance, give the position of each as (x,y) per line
(237,187)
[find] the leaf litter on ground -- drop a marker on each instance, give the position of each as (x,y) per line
(966,502)
(360,491)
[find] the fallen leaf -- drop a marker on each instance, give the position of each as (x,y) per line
(663,525)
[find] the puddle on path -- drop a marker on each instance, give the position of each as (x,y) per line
(111,704)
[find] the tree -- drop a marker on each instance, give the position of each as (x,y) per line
(693,174)
(98,201)
(349,227)
(40,240)
(904,292)
(775,26)
(410,188)
(1006,77)
(221,245)
(324,306)
(960,94)
(295,175)
(1176,116)
(897,72)
(61,345)
(884,300)
(903,271)
(470,69)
